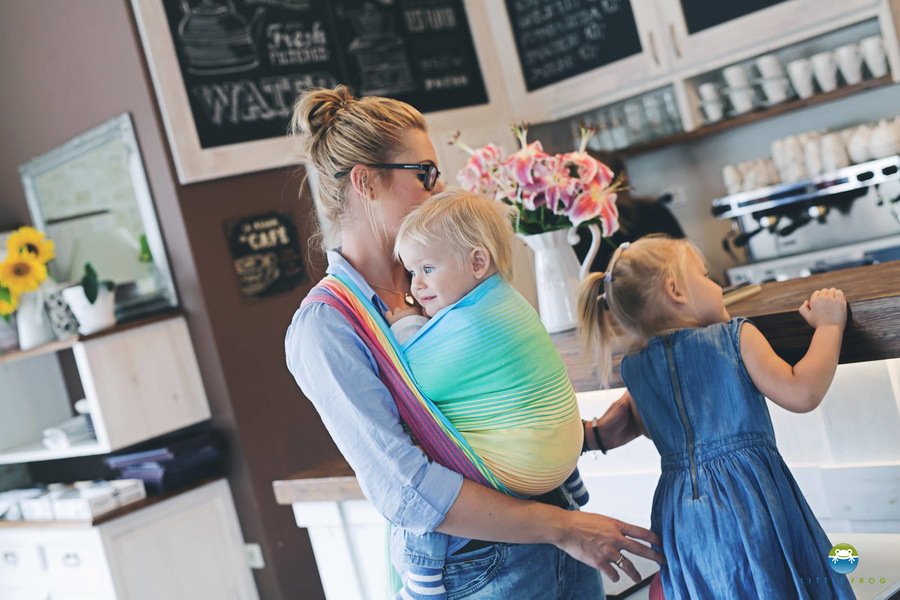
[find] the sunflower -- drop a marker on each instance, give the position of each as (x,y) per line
(22,272)
(32,241)
(9,302)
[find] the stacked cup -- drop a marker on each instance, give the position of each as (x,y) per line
(741,96)
(774,84)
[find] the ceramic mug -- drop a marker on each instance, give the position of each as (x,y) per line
(800,72)
(812,157)
(872,49)
(825,70)
(776,89)
(732,178)
(736,76)
(742,99)
(849,60)
(709,92)
(834,152)
(769,66)
(713,111)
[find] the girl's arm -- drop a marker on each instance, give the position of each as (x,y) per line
(485,514)
(802,387)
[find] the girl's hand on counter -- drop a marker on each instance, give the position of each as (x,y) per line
(598,541)
(826,307)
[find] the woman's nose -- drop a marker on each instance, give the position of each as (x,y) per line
(438,187)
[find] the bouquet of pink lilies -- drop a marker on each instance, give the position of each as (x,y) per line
(549,192)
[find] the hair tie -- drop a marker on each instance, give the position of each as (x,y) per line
(607,277)
(625,245)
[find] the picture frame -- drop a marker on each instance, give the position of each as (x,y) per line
(200,53)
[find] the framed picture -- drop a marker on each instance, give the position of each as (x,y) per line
(227,72)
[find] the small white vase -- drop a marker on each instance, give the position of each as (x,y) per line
(32,322)
(92,317)
(558,274)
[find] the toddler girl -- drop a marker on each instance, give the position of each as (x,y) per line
(733,521)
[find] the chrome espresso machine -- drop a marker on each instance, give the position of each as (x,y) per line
(838,220)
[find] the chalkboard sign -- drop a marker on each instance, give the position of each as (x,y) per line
(703,14)
(244,61)
(558,39)
(266,253)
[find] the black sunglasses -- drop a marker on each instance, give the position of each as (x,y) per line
(429,178)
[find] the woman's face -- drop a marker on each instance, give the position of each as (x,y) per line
(399,191)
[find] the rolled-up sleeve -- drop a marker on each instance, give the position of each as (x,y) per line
(338,373)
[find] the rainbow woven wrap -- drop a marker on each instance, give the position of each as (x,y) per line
(440,440)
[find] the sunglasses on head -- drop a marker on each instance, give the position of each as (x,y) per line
(428,177)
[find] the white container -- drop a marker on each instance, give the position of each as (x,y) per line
(742,99)
(872,49)
(558,274)
(850,61)
(769,66)
(825,70)
(713,111)
(92,317)
(84,504)
(800,72)
(709,92)
(736,76)
(776,89)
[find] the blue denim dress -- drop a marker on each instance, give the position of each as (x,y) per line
(733,521)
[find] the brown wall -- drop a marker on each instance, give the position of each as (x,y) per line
(69,66)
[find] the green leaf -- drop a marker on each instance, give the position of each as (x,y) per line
(90,283)
(145,256)
(5,294)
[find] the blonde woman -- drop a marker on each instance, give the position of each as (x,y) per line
(376,164)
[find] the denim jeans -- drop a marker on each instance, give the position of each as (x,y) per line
(532,571)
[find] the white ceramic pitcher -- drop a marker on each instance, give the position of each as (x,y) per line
(558,274)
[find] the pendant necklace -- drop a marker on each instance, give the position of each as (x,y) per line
(407,297)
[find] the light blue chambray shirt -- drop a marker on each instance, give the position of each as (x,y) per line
(338,373)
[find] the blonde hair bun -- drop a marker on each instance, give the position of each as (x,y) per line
(317,109)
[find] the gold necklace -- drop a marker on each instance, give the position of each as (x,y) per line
(407,297)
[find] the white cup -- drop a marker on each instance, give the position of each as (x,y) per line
(872,49)
(812,157)
(741,99)
(849,60)
(801,73)
(713,111)
(709,92)
(736,76)
(732,178)
(834,152)
(793,150)
(769,66)
(825,70)
(776,89)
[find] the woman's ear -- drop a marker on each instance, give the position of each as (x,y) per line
(361,180)
(673,292)
(480,261)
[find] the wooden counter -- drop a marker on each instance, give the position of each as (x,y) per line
(873,333)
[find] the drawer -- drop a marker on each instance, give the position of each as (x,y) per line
(20,561)
(76,567)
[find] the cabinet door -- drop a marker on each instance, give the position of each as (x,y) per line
(562,57)
(702,31)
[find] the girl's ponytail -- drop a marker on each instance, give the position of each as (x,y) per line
(594,323)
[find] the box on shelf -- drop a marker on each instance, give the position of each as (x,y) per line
(40,508)
(91,500)
(9,502)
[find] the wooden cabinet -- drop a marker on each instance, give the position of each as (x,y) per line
(186,547)
(688,41)
(139,381)
(581,91)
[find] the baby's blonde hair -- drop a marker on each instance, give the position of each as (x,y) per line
(633,296)
(465,221)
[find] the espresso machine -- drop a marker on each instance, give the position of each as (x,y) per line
(838,220)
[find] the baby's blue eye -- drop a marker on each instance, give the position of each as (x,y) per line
(428,270)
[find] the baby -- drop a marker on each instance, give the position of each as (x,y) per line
(481,354)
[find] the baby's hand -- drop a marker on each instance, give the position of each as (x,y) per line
(395,315)
(825,307)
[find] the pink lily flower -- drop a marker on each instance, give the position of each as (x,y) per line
(596,203)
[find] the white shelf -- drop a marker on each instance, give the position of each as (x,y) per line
(36,452)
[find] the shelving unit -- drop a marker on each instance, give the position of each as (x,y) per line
(141,380)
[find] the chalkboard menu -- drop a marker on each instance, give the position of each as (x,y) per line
(703,14)
(558,39)
(244,61)
(266,253)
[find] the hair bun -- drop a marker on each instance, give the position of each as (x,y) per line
(318,108)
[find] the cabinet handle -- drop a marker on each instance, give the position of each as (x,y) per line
(11,558)
(674,40)
(70,559)
(651,39)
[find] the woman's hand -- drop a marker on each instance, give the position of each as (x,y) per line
(825,307)
(598,541)
(619,424)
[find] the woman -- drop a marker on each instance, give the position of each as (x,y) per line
(376,163)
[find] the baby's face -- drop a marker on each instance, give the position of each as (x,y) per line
(439,277)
